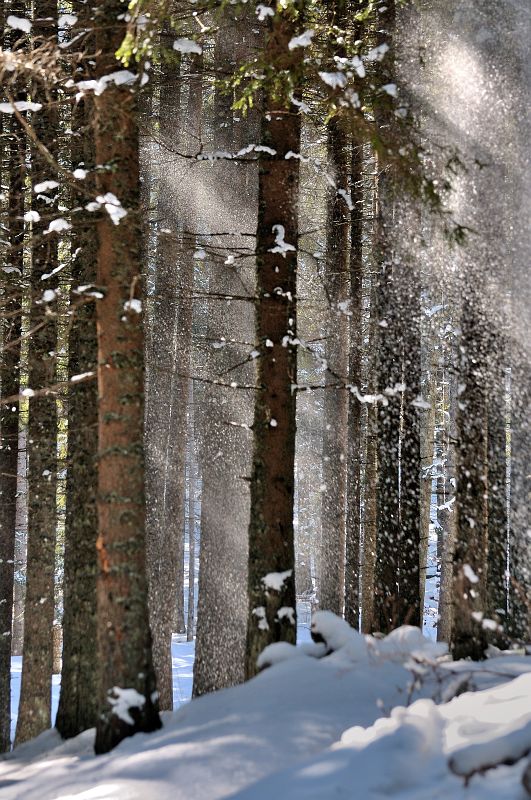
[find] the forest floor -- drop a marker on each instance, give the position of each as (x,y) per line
(373,720)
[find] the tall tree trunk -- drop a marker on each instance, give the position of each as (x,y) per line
(78,697)
(427,432)
(447,518)
(497,495)
(167,400)
(353,539)
(127,700)
(471,546)
(371,476)
(224,445)
(336,400)
(397,596)
(192,479)
(9,412)
(34,714)
(272,612)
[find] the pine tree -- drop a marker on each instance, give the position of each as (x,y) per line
(127,701)
(34,714)
(271,545)
(77,700)
(9,411)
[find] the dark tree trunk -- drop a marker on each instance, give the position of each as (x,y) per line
(353,538)
(78,697)
(471,546)
(272,612)
(127,676)
(336,400)
(497,593)
(410,445)
(9,412)
(34,715)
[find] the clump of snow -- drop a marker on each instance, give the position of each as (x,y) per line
(19,105)
(32,216)
(304,40)
(45,186)
(281,246)
(276,580)
(112,206)
(470,574)
(58,226)
(123,700)
(67,20)
(19,23)
(336,80)
(262,12)
(187,46)
(390,89)
(407,641)
(133,305)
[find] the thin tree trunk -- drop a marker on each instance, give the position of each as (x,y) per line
(497,495)
(371,479)
(192,478)
(9,414)
(447,518)
(353,540)
(272,612)
(127,677)
(34,715)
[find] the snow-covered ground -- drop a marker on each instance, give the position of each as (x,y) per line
(374,719)
(183,664)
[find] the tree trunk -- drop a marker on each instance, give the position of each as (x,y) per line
(34,715)
(447,518)
(192,478)
(127,701)
(497,593)
(336,399)
(225,412)
(272,612)
(371,477)
(167,403)
(353,540)
(78,697)
(471,546)
(9,413)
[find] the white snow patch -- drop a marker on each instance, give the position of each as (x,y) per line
(304,40)
(19,23)
(262,12)
(187,46)
(281,246)
(276,580)
(123,700)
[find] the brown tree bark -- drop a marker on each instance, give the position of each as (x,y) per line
(127,701)
(272,612)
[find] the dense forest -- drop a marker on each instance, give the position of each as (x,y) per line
(265,312)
